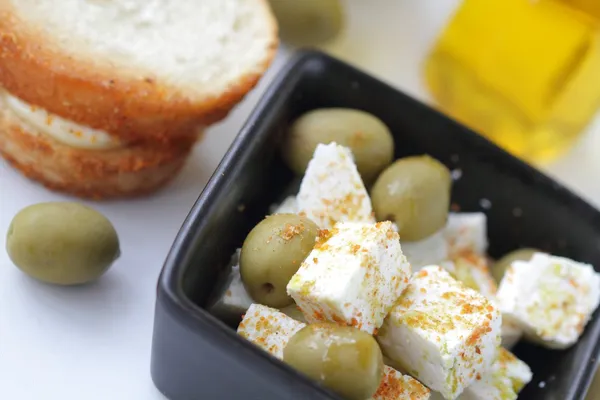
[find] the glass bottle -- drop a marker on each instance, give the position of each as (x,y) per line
(591,7)
(524,73)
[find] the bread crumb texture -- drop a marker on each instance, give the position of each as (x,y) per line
(135,67)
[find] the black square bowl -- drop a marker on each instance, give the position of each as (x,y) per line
(197,356)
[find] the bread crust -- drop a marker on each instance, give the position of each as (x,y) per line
(95,95)
(135,170)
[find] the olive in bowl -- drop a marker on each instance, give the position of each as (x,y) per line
(271,255)
(342,358)
(413,192)
(367,136)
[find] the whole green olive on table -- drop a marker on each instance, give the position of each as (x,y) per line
(413,192)
(344,359)
(368,137)
(271,255)
(308,22)
(499,268)
(62,243)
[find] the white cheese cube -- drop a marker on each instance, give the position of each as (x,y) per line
(429,251)
(234,300)
(474,272)
(332,189)
(511,333)
(466,233)
(517,371)
(287,206)
(396,386)
(353,276)
(505,379)
(441,332)
(236,297)
(472,269)
(551,298)
(268,328)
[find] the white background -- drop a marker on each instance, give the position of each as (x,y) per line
(93,343)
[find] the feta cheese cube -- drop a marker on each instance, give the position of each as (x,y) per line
(466,233)
(517,371)
(233,300)
(441,332)
(396,386)
(268,328)
(236,297)
(505,379)
(550,298)
(332,189)
(353,276)
(429,251)
(472,269)
(287,206)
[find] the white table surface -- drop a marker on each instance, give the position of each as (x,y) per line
(93,342)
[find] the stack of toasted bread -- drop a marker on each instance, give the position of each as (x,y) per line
(106,98)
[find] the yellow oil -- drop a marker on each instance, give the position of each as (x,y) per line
(591,7)
(525,73)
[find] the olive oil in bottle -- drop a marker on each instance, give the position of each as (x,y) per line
(591,7)
(524,73)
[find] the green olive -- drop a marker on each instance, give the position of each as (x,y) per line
(502,264)
(368,137)
(271,255)
(344,359)
(294,312)
(413,192)
(62,243)
(308,22)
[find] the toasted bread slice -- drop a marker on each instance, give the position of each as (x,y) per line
(128,171)
(135,68)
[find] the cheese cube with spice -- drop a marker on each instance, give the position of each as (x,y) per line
(396,386)
(466,233)
(429,251)
(353,276)
(288,206)
(550,298)
(268,328)
(332,189)
(505,379)
(473,271)
(442,332)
